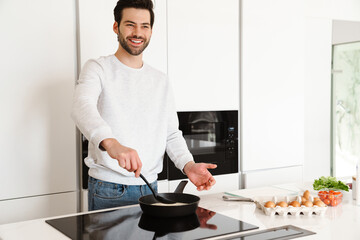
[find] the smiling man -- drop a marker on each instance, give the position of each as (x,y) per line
(133,37)
(126,110)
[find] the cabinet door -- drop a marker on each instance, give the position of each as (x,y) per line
(23,209)
(203,53)
(270,177)
(272,84)
(38,150)
(97,38)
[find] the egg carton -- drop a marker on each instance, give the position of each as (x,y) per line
(284,211)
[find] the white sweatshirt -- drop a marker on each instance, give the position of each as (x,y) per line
(136,107)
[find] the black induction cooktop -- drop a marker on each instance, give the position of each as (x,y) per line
(130,223)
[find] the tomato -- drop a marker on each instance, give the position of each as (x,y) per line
(322,195)
(327,201)
(330,197)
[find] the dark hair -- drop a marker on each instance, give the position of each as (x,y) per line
(140,4)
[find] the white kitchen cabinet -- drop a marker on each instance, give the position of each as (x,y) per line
(97,37)
(38,69)
(267,177)
(317,98)
(23,209)
(272,90)
(203,54)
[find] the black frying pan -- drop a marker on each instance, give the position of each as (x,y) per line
(190,206)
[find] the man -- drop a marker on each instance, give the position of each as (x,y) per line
(126,110)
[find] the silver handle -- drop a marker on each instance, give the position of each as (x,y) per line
(234,198)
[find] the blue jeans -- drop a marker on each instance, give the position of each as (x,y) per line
(104,194)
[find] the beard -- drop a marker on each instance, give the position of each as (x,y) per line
(134,52)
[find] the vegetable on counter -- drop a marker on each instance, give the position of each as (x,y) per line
(329,183)
(331,198)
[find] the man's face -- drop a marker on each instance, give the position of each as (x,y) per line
(134,30)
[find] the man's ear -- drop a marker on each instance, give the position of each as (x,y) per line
(116,28)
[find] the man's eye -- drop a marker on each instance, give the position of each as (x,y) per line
(130,25)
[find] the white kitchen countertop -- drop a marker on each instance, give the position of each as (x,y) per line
(341,222)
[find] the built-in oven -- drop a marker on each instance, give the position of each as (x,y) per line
(212,137)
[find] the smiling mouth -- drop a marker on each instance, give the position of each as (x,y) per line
(136,42)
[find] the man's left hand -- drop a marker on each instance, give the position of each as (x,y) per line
(199,175)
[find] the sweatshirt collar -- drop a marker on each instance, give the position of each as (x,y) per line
(118,62)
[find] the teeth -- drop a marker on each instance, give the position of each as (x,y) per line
(136,41)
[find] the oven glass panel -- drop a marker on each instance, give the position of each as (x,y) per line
(205,137)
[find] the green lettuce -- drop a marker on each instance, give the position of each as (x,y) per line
(329,183)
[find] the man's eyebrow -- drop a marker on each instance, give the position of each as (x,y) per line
(128,21)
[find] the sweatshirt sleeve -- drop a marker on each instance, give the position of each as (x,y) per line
(176,146)
(84,110)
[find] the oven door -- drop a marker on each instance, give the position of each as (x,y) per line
(206,139)
(211,137)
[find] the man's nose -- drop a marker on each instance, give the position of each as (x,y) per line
(137,32)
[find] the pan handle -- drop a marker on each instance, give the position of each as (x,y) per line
(181,186)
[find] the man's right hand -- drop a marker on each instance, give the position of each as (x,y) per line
(127,157)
